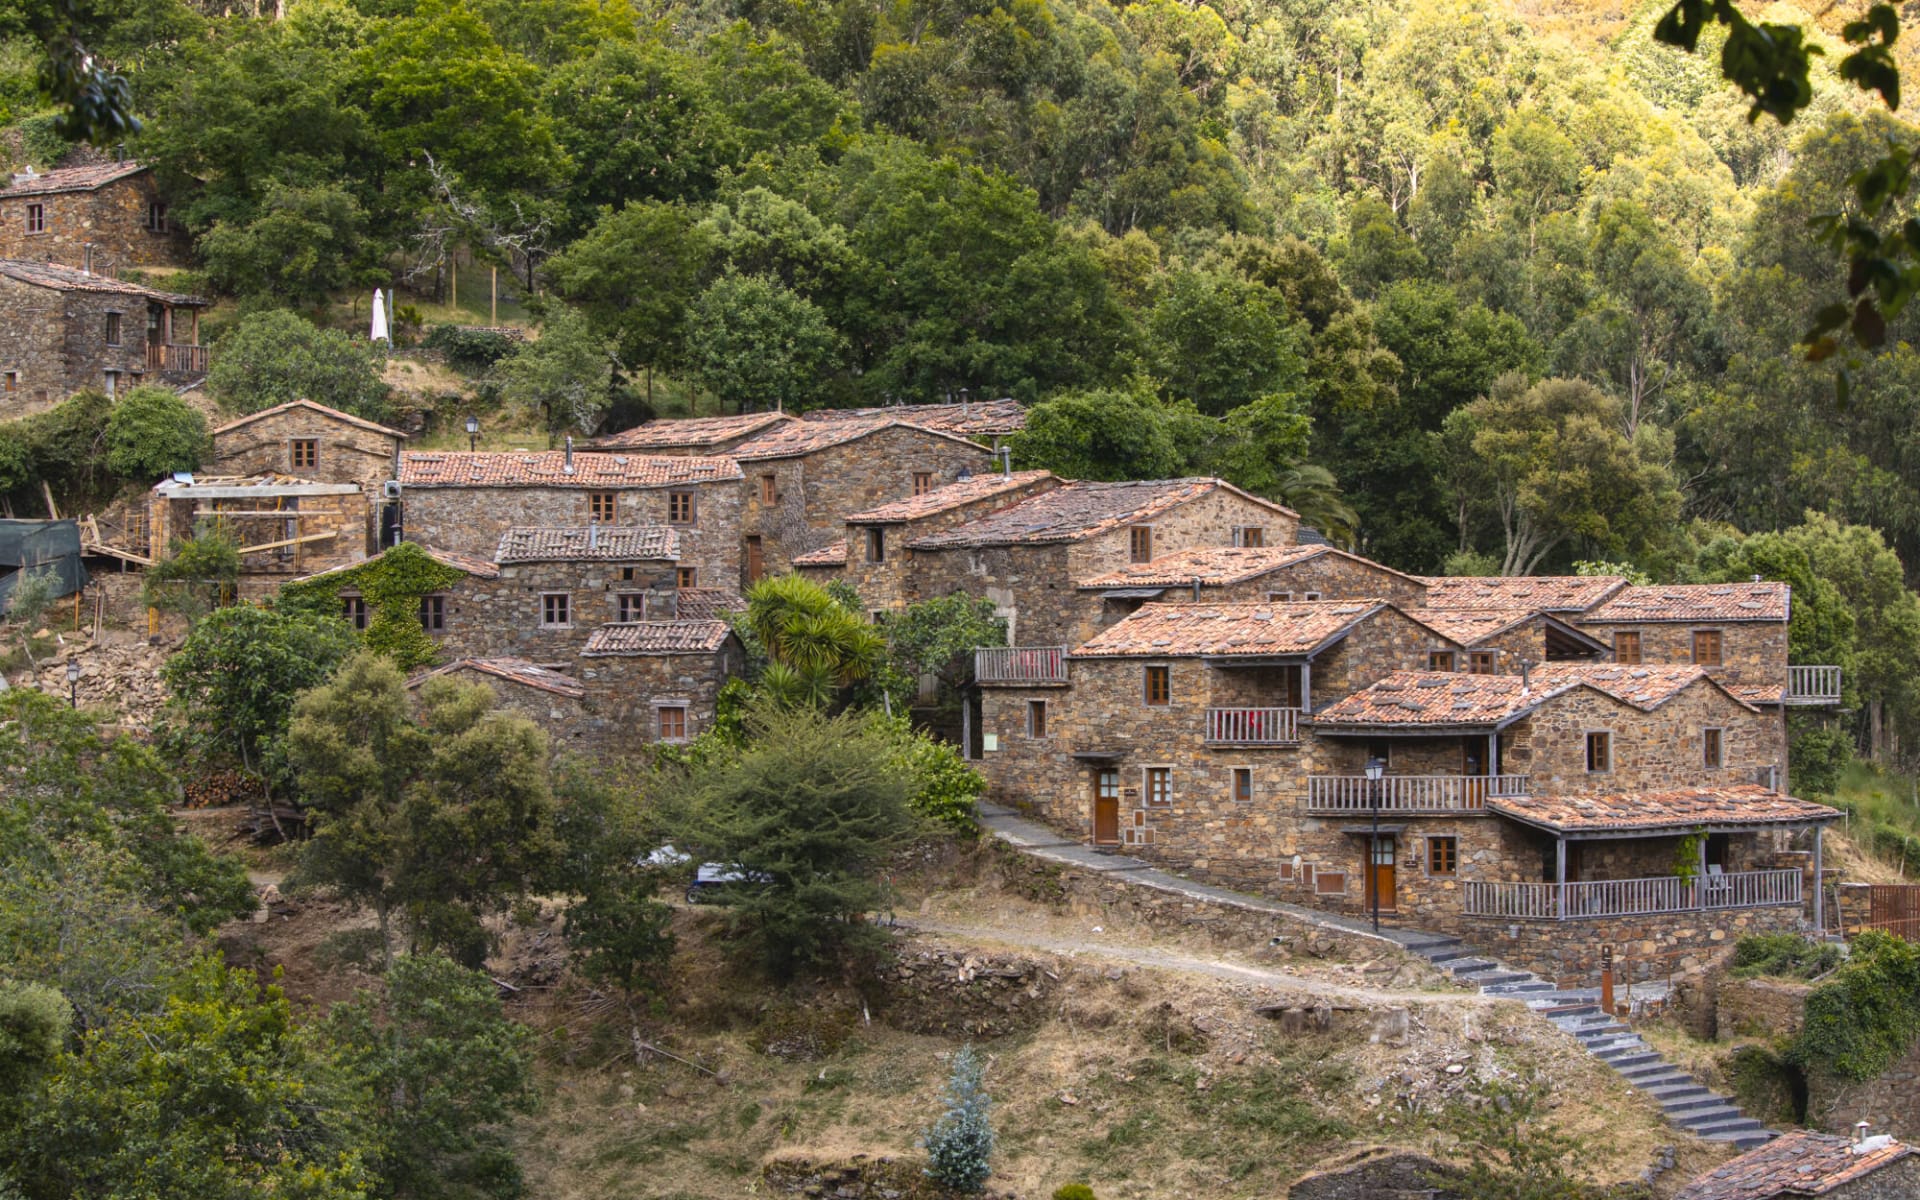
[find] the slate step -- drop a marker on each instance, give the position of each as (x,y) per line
(1715,1114)
(1721,1129)
(1469,966)
(1658,1074)
(1487,978)
(1532,987)
(1661,1093)
(1633,1059)
(1591,1033)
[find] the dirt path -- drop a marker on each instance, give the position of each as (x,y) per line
(1216,968)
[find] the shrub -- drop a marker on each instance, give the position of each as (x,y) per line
(274,356)
(1818,758)
(151,433)
(1073,1191)
(961,1141)
(1867,1014)
(1783,956)
(469,349)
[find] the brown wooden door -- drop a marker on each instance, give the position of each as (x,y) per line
(1380,876)
(756,560)
(1106,807)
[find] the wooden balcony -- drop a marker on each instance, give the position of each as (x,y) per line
(1632,897)
(1409,795)
(1016,665)
(1813,685)
(1253,726)
(171,359)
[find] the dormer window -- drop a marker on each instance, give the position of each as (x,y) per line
(1140,544)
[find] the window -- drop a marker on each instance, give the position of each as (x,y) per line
(602,507)
(767,493)
(112,383)
(1036,718)
(1480,662)
(922,482)
(1250,537)
(673,723)
(1443,856)
(630,606)
(1285,874)
(1626,647)
(433,614)
(686,577)
(1140,543)
(1309,595)
(1243,784)
(1159,787)
(36,218)
(1599,752)
(1440,660)
(354,609)
(876,544)
(756,558)
(1330,883)
(113,329)
(1280,597)
(303,453)
(1712,748)
(156,217)
(556,609)
(1706,647)
(13,381)
(1159,685)
(680,508)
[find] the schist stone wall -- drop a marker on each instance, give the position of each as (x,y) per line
(348,453)
(56,343)
(112,218)
(628,690)
(1332,576)
(470,520)
(1650,750)
(507,615)
(892,581)
(1753,652)
(1569,952)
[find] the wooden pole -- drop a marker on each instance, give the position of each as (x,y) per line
(493,310)
(453,289)
(1606,980)
(1560,878)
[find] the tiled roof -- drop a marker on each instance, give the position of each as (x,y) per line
(1677,808)
(547,468)
(595,543)
(1759,693)
(971,419)
(657,637)
(707,604)
(70,179)
(1080,510)
(330,413)
(1470,625)
(1227,630)
(690,431)
(1217,566)
(1555,593)
(953,495)
(834,554)
(480,568)
(1645,686)
(1800,1163)
(805,437)
(513,670)
(70,279)
(1415,699)
(1697,602)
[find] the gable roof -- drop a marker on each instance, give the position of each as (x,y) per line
(708,603)
(949,496)
(1763,601)
(548,468)
(689,431)
(1218,566)
(968,418)
(1434,699)
(1470,626)
(833,554)
(479,568)
(70,179)
(1673,808)
(1228,630)
(656,637)
(592,543)
(1553,593)
(70,279)
(1080,510)
(1646,686)
(1800,1163)
(512,670)
(796,438)
(332,414)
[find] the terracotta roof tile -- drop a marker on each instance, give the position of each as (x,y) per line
(806,437)
(597,543)
(972,419)
(1740,804)
(1080,510)
(1646,686)
(950,496)
(1762,601)
(657,637)
(1554,593)
(1759,693)
(1800,1163)
(70,179)
(330,413)
(422,468)
(70,279)
(480,568)
(1217,566)
(690,431)
(1470,625)
(708,604)
(833,554)
(1227,630)
(1415,699)
(513,670)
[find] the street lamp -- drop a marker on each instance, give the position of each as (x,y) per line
(73,683)
(1376,767)
(473,433)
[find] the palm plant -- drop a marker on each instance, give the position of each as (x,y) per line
(816,644)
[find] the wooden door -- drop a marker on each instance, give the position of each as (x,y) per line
(756,560)
(1380,877)
(1473,765)
(1106,807)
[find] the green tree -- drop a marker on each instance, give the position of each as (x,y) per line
(195,576)
(960,1143)
(273,357)
(756,345)
(1102,435)
(635,275)
(563,375)
(1221,343)
(300,245)
(152,433)
(618,933)
(937,637)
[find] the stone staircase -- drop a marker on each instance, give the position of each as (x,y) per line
(1687,1104)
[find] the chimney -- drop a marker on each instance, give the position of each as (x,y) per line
(568,468)
(1196,589)
(1756,577)
(593,535)
(1006,462)
(1526,677)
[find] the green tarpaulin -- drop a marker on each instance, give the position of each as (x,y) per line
(40,546)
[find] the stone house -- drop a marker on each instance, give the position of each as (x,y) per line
(699,436)
(885,580)
(554,701)
(551,588)
(1738,631)
(1503,641)
(1240,573)
(658,681)
(1026,557)
(987,421)
(467,502)
(285,526)
(66,330)
(1803,1163)
(106,218)
(315,442)
(804,477)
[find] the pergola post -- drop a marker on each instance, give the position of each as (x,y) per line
(1819,885)
(1560,878)
(1700,877)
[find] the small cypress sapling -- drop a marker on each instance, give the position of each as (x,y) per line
(961,1141)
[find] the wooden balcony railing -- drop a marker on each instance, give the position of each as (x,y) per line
(1410,793)
(171,359)
(1020,664)
(1813,685)
(1253,726)
(1631,897)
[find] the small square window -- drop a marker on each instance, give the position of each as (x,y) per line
(922,482)
(1626,647)
(303,454)
(1159,685)
(1707,647)
(1440,660)
(630,606)
(768,494)
(1243,784)
(680,508)
(1330,883)
(1250,537)
(673,723)
(1713,748)
(556,609)
(1159,792)
(1310,596)
(13,381)
(156,217)
(1599,752)
(1036,718)
(1481,662)
(433,613)
(686,577)
(1443,856)
(36,218)
(112,383)
(626,574)
(354,609)
(113,329)
(876,544)
(602,506)
(1285,871)
(1280,597)
(1140,544)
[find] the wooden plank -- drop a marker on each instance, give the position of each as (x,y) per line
(311,537)
(289,514)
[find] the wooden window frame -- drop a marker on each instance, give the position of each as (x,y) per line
(686,578)
(36,218)
(769,489)
(433,612)
(1624,638)
(1240,785)
(1713,748)
(1718,641)
(1606,751)
(115,331)
(683,508)
(1161,673)
(13,381)
(303,454)
(1284,870)
(1279,597)
(1483,662)
(354,610)
(1156,786)
(1037,719)
(156,217)
(1139,543)
(876,541)
(1440,660)
(922,482)
(630,606)
(661,718)
(1250,537)
(1320,887)
(603,508)
(1451,855)
(562,602)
